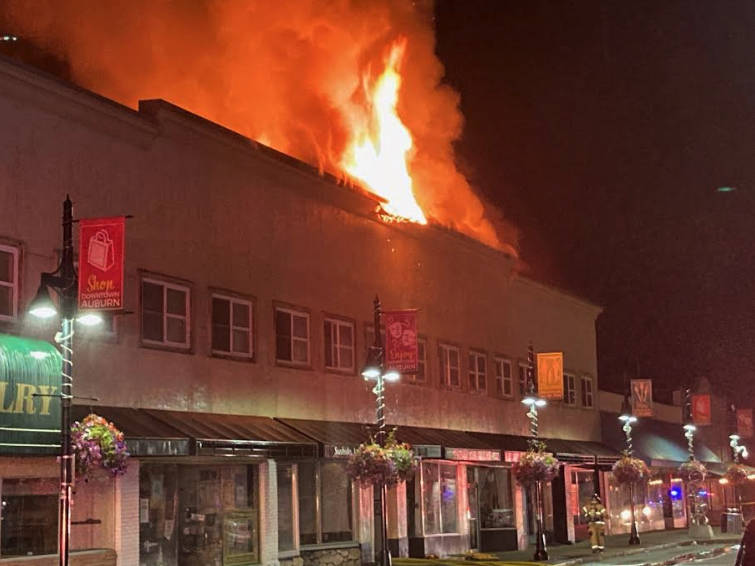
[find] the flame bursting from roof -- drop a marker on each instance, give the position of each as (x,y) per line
(294,74)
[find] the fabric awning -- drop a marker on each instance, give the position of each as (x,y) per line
(30,374)
(576,451)
(151,432)
(659,443)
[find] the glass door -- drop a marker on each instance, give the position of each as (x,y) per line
(473,511)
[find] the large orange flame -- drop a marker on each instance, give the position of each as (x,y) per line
(378,150)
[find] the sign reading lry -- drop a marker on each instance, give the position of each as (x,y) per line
(101,244)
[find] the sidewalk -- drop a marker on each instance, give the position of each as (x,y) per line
(569,554)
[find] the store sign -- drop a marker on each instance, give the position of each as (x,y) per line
(642,397)
(550,375)
(101,245)
(701,409)
(473,454)
(744,423)
(512,456)
(401,351)
(338,451)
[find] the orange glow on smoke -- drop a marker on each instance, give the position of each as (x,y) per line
(378,152)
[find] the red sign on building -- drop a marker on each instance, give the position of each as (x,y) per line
(700,409)
(401,351)
(101,245)
(744,423)
(642,397)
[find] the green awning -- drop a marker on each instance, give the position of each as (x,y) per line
(29,396)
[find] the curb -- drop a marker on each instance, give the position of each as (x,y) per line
(631,551)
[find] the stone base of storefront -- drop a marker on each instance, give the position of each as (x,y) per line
(349,556)
(101,557)
(292,561)
(438,545)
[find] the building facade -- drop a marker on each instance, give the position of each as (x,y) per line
(234,370)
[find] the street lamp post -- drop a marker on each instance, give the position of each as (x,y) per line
(738,450)
(375,369)
(533,402)
(629,419)
(64,281)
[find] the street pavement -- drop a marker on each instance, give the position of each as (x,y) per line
(714,554)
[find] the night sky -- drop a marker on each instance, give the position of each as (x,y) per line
(603,130)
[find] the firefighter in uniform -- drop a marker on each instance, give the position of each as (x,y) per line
(595,513)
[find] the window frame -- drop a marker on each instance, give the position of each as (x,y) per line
(477,355)
(298,311)
(438,464)
(339,321)
(166,283)
(232,298)
(570,376)
(522,385)
(318,506)
(445,376)
(15,286)
(504,361)
(586,393)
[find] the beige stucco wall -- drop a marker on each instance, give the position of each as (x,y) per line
(212,209)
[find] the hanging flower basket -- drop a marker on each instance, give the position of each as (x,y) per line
(372,464)
(736,474)
(693,471)
(98,445)
(536,466)
(630,470)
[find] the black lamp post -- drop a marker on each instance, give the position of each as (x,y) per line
(533,402)
(64,281)
(629,419)
(738,451)
(374,369)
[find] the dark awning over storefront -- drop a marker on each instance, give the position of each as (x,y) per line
(340,438)
(152,432)
(576,451)
(659,443)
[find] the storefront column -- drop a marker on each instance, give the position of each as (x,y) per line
(126,516)
(397,531)
(366,522)
(521,518)
(268,478)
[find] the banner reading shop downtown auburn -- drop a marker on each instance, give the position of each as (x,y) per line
(700,409)
(401,350)
(744,423)
(101,245)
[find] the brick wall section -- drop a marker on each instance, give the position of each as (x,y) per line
(126,516)
(83,558)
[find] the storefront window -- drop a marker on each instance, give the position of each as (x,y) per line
(439,496)
(29,517)
(583,486)
(197,515)
(496,501)
(286,507)
(328,483)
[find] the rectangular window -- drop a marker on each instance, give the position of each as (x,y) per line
(421,374)
(439,498)
(291,336)
(339,344)
(324,500)
(29,517)
(286,507)
(503,379)
(523,385)
(570,389)
(232,326)
(477,371)
(496,498)
(8,282)
(587,392)
(165,313)
(449,365)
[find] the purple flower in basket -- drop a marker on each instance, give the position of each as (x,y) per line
(97,444)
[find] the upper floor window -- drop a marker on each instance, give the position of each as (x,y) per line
(523,385)
(232,326)
(477,371)
(421,374)
(291,336)
(449,365)
(8,282)
(339,344)
(570,389)
(503,378)
(165,313)
(587,392)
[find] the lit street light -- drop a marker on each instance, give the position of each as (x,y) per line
(629,419)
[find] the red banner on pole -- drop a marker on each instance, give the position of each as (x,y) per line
(744,423)
(101,245)
(642,397)
(700,409)
(550,375)
(401,340)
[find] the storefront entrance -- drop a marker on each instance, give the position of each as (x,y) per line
(492,517)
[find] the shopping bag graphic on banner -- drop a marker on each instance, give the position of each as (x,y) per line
(101,253)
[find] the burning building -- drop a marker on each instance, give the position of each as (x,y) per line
(234,368)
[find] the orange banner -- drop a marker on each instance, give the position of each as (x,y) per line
(550,375)
(701,409)
(744,423)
